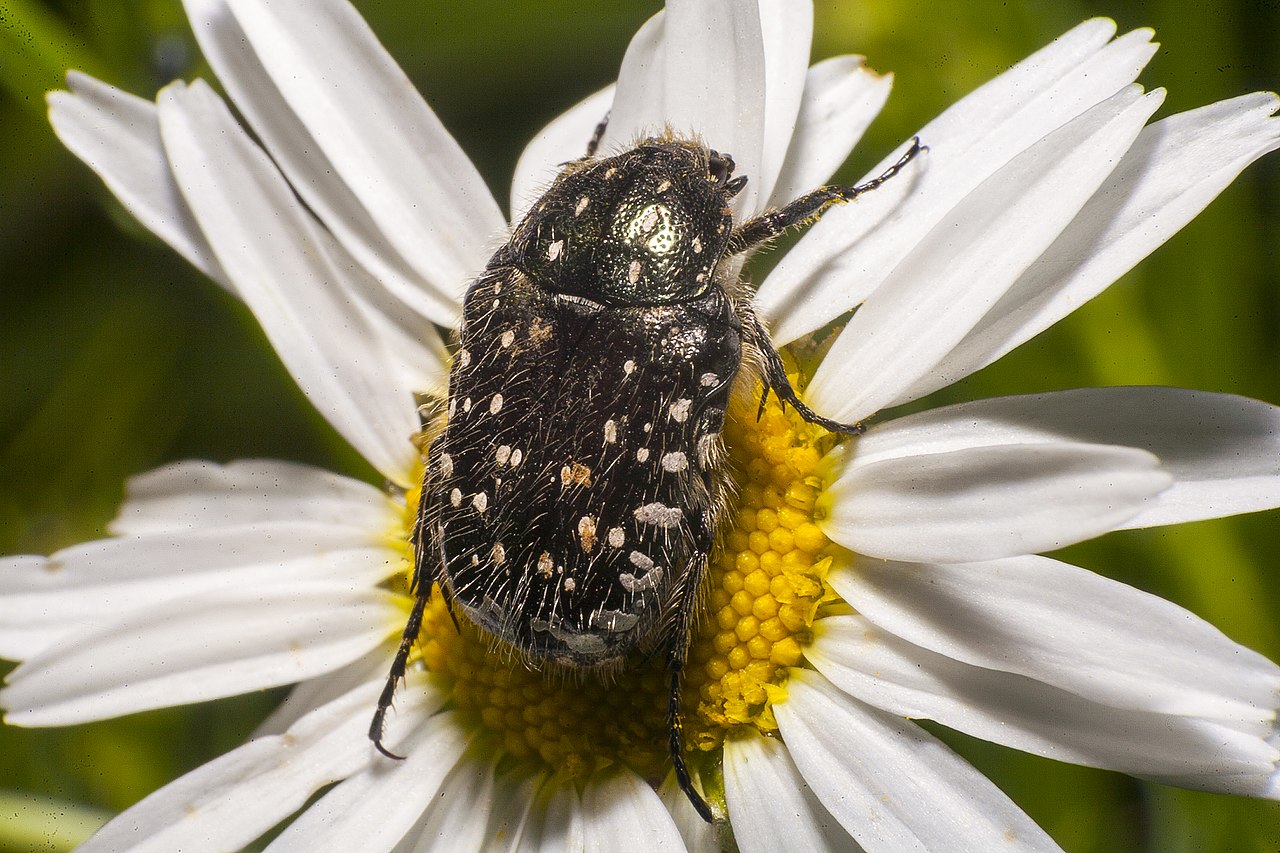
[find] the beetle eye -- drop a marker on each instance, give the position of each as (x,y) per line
(719,167)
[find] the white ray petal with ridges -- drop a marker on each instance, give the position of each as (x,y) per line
(85,588)
(232,800)
(627,815)
(841,98)
(985,501)
(391,150)
(456,820)
(197,494)
(893,786)
(771,807)
(304,161)
(945,285)
(372,810)
(273,250)
(225,643)
(854,248)
(786,28)
(563,820)
(885,671)
(1175,168)
(1070,628)
(698,68)
(1220,449)
(118,136)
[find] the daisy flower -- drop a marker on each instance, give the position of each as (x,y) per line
(860,584)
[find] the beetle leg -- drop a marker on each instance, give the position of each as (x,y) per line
(766,226)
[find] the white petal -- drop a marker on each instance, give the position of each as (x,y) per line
(456,819)
(304,161)
(232,800)
(887,672)
(86,588)
(224,643)
(372,810)
(320,691)
(1176,167)
(564,826)
(563,140)
(699,69)
(1223,451)
(197,494)
(1072,629)
(771,806)
(841,97)
(983,502)
(960,269)
(890,784)
(272,249)
(854,248)
(698,835)
(786,28)
(388,146)
(626,814)
(117,135)
(513,825)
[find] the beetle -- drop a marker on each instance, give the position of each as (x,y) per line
(570,502)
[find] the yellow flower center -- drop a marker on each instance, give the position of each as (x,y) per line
(764,586)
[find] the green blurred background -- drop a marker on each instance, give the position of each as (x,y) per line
(117,357)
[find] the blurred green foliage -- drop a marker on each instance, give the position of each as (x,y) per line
(117,357)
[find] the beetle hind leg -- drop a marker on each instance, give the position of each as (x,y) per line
(775,380)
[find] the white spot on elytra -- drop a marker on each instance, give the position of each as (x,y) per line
(706,380)
(453,407)
(640,561)
(679,410)
(581,206)
(587,533)
(633,272)
(570,584)
(648,581)
(502,454)
(480,501)
(498,554)
(455,497)
(553,251)
(495,405)
(697,246)
(648,427)
(610,432)
(544,565)
(496,304)
(617,536)
(446,465)
(517,456)
(466,405)
(610,172)
(464,358)
(508,338)
(663,187)
(628,367)
(475,559)
(674,461)
(642,454)
(659,515)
